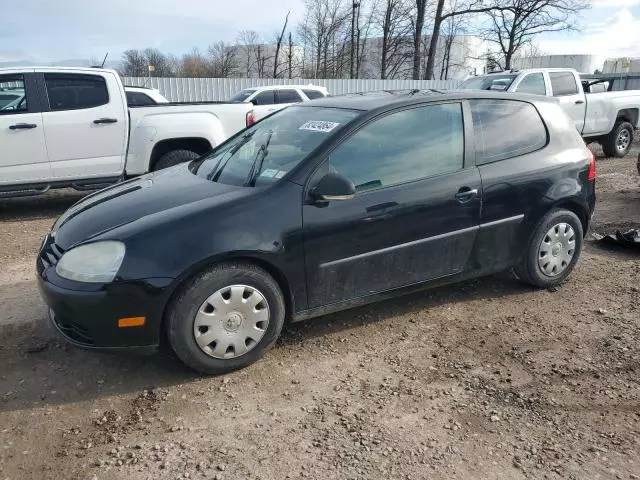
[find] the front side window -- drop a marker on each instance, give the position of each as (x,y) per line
(532,83)
(264,98)
(563,84)
(13,98)
(505,129)
(267,151)
(288,96)
(74,91)
(403,146)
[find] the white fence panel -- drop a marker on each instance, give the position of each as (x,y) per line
(220,89)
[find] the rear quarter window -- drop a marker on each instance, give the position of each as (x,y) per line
(506,129)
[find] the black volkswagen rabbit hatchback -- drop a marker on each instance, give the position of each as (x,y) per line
(321,207)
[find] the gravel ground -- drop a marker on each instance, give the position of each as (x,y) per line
(485,379)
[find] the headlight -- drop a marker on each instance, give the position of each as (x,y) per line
(95,262)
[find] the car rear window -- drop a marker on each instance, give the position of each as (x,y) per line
(505,129)
(242,96)
(313,94)
(499,83)
(288,96)
(137,99)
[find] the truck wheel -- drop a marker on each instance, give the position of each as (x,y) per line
(618,142)
(553,250)
(225,318)
(174,157)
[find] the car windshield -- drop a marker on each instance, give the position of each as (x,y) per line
(489,82)
(242,96)
(267,151)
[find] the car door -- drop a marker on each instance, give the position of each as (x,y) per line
(264,104)
(532,83)
(415,213)
(565,88)
(86,125)
(24,154)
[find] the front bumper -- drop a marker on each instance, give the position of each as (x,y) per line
(87,314)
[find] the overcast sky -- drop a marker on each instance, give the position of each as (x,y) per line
(45,31)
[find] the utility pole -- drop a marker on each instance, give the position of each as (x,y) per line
(355,7)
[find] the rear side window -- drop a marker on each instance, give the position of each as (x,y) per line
(73,92)
(532,83)
(563,83)
(313,94)
(288,96)
(264,98)
(505,129)
(137,99)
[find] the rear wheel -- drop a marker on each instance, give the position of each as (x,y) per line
(225,318)
(173,158)
(553,251)
(618,142)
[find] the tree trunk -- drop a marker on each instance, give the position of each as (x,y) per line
(417,37)
(290,55)
(433,44)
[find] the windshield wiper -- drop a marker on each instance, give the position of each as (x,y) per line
(219,167)
(258,161)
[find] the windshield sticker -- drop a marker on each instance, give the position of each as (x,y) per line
(280,174)
(319,126)
(269,173)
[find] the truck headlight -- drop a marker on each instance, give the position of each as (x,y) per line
(97,262)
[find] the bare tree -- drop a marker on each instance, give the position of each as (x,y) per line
(248,40)
(134,64)
(158,60)
(514,26)
(464,8)
(223,59)
(290,56)
(195,64)
(421,7)
(396,26)
(279,39)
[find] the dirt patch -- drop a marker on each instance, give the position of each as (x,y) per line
(485,379)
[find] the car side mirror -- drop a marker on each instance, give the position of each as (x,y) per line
(334,186)
(253,102)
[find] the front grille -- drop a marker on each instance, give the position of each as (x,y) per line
(50,254)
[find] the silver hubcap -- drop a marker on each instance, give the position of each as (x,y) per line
(557,249)
(231,322)
(623,141)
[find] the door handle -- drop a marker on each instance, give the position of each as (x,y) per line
(579,102)
(22,126)
(466,194)
(105,120)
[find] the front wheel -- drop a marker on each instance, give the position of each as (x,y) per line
(553,251)
(619,141)
(225,318)
(173,158)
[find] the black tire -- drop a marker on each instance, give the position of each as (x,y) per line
(183,308)
(529,270)
(173,158)
(610,142)
(638,164)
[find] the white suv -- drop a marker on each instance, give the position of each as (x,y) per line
(275,97)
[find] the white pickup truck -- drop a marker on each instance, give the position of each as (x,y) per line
(608,118)
(73,128)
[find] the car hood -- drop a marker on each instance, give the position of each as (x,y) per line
(155,193)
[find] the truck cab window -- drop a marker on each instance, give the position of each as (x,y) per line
(563,84)
(74,92)
(13,97)
(532,83)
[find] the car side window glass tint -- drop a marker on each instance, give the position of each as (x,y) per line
(532,83)
(13,98)
(288,96)
(137,99)
(313,94)
(73,92)
(264,98)
(563,83)
(403,146)
(495,135)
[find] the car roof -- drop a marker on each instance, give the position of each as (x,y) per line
(284,87)
(367,101)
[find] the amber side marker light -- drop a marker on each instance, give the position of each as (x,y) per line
(131,322)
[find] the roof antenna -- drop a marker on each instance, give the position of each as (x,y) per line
(104,59)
